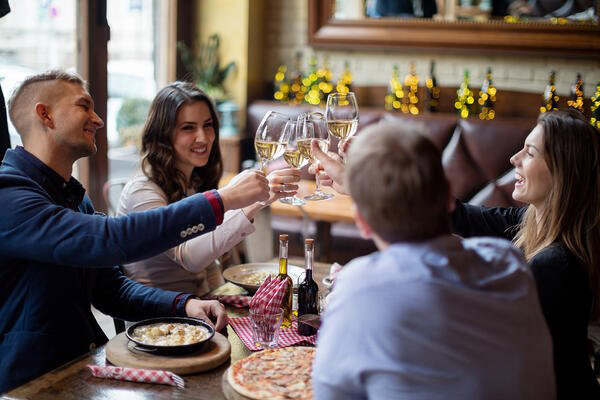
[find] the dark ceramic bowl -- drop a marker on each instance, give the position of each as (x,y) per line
(170,350)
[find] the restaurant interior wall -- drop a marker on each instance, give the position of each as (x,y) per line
(286,33)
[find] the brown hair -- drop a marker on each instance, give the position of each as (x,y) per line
(158,154)
(571,213)
(396,179)
(27,90)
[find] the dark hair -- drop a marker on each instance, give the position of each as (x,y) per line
(572,210)
(158,153)
(396,179)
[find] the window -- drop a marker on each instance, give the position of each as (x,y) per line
(37,35)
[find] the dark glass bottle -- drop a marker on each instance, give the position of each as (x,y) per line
(433,90)
(550,98)
(308,292)
(286,304)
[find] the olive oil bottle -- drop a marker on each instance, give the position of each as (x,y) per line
(286,304)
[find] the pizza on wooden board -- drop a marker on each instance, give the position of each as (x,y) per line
(274,374)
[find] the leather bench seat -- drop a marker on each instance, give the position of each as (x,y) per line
(475,156)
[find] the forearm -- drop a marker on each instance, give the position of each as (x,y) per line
(198,253)
(66,237)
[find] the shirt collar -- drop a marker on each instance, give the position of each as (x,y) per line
(45,176)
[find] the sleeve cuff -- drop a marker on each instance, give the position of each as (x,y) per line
(179,304)
(216,203)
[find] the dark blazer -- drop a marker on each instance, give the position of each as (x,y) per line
(563,290)
(57,258)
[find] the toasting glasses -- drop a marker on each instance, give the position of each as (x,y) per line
(342,117)
(312,126)
(270,137)
(293,158)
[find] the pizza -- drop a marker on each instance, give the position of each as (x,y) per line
(274,374)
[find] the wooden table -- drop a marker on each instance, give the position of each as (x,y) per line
(73,381)
(323,212)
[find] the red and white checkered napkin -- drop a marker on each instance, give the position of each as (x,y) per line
(269,296)
(287,336)
(137,375)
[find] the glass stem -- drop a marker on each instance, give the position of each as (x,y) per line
(317,180)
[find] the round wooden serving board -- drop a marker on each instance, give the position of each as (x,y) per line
(229,391)
(121,352)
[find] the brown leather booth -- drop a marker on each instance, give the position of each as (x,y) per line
(475,155)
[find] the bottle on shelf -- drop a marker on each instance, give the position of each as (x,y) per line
(487,97)
(410,103)
(308,291)
(576,99)
(281,88)
(324,80)
(395,93)
(344,84)
(297,88)
(550,98)
(433,90)
(464,101)
(595,107)
(311,82)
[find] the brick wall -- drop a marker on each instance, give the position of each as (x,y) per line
(286,33)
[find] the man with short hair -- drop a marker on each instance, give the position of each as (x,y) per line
(58,257)
(430,315)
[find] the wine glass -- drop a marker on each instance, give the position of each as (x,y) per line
(342,117)
(312,126)
(270,137)
(293,158)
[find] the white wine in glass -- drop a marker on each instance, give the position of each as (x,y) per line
(342,117)
(342,129)
(313,128)
(294,159)
(270,138)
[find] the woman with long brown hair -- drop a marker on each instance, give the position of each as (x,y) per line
(180,157)
(558,176)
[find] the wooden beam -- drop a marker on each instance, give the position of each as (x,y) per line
(94,34)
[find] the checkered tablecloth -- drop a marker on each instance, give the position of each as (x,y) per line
(287,336)
(137,375)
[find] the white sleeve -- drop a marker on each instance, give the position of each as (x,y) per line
(196,254)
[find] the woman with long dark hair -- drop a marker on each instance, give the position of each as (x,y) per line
(180,157)
(558,176)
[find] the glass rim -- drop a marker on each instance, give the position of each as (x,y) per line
(340,94)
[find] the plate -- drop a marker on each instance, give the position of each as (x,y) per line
(248,275)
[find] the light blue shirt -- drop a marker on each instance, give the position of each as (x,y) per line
(444,319)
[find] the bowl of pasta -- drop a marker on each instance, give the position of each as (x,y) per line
(170,335)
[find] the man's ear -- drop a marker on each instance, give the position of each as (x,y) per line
(43,114)
(364,228)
